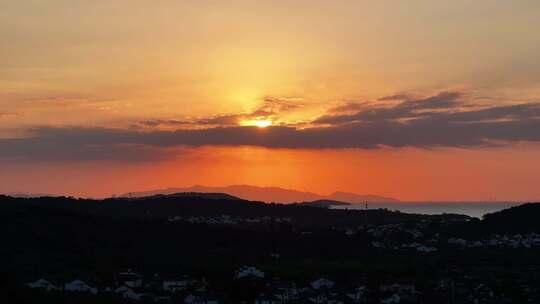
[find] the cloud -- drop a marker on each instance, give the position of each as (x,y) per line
(214,120)
(519,112)
(281,104)
(404,110)
(69,144)
(348,107)
(442,120)
(6,114)
(394,97)
(271,108)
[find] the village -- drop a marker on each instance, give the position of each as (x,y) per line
(130,286)
(226,219)
(174,254)
(419,237)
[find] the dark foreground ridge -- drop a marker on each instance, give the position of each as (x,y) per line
(210,237)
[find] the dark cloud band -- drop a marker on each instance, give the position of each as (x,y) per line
(438,121)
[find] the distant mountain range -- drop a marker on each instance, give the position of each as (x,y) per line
(29,195)
(270,194)
(180,195)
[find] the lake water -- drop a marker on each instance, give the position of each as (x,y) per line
(476,209)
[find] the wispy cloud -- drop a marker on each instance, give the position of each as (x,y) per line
(348,107)
(6,114)
(271,108)
(394,97)
(409,108)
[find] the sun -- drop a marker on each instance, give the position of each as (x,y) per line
(259,123)
(263,123)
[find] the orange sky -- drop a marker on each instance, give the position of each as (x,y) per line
(408,174)
(419,100)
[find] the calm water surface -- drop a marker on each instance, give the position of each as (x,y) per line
(476,209)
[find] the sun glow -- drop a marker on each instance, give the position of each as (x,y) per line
(257,123)
(263,123)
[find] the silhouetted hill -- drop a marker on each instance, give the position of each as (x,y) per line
(67,236)
(162,207)
(52,234)
(270,194)
(359,199)
(212,196)
(28,195)
(62,238)
(522,218)
(323,203)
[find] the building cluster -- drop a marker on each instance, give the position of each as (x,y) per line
(225,219)
(133,287)
(128,285)
(249,271)
(500,241)
(381,231)
(401,237)
(422,247)
(476,290)
(325,291)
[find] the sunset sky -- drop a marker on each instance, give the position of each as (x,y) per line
(418,100)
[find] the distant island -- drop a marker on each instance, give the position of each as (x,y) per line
(270,194)
(323,204)
(205,195)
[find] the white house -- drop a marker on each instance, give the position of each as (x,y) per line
(43,284)
(249,271)
(203,298)
(399,288)
(105,290)
(79,286)
(357,294)
(457,241)
(177,284)
(318,298)
(122,289)
(322,283)
(135,295)
(283,290)
(130,278)
(265,298)
(423,248)
(131,293)
(349,232)
(394,299)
